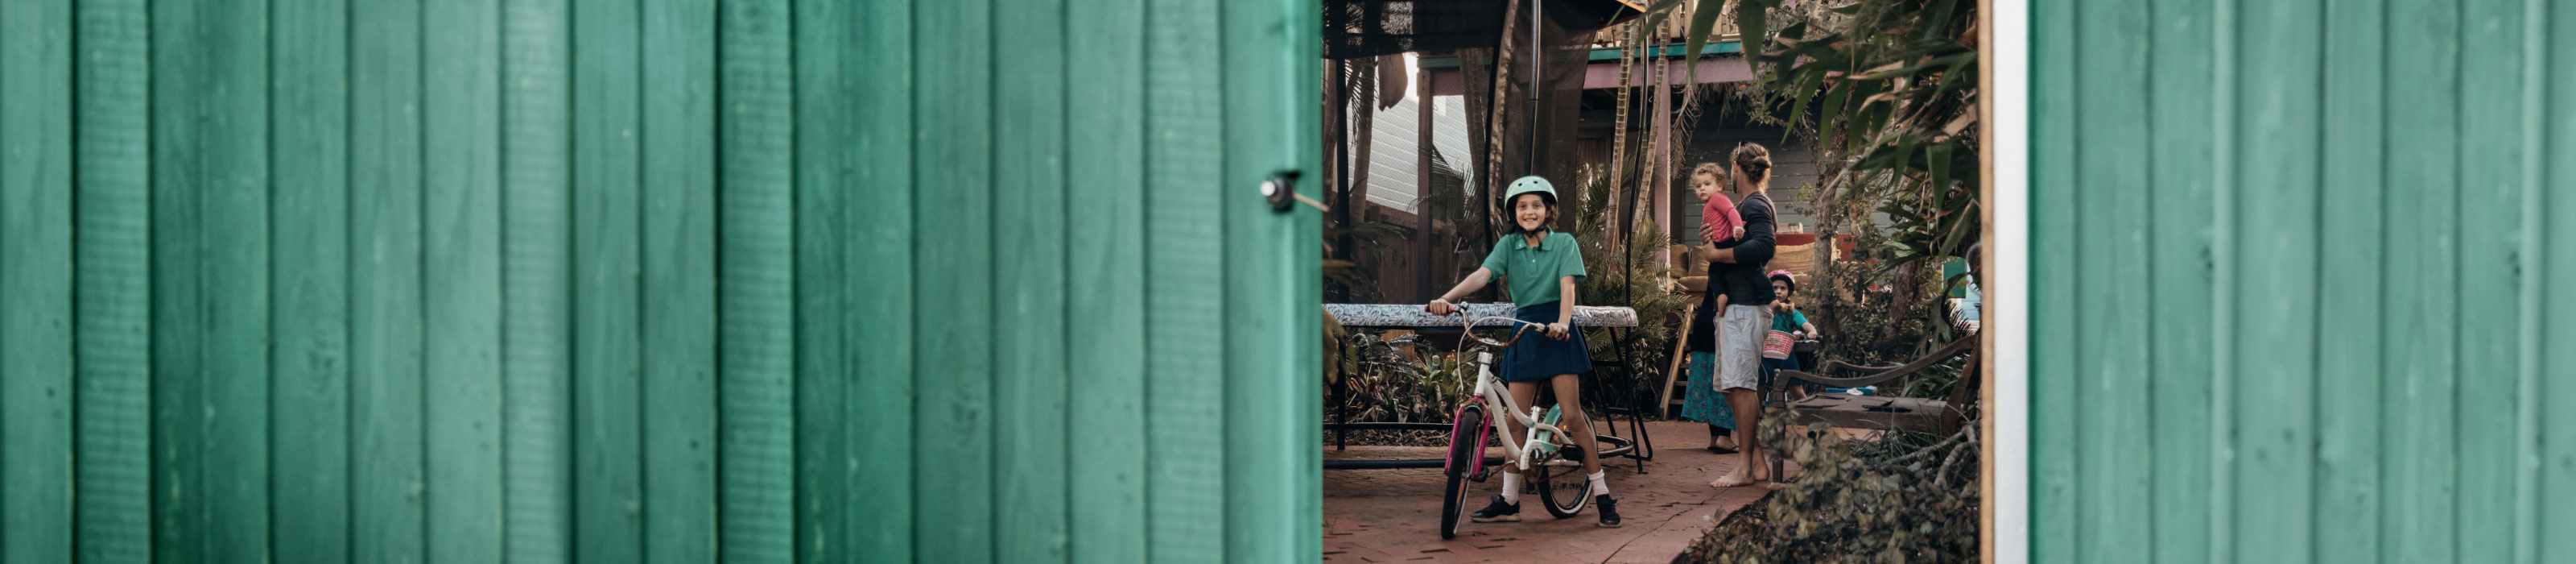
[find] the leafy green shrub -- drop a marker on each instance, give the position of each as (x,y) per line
(1401,379)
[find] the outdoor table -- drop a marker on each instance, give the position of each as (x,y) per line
(1411,316)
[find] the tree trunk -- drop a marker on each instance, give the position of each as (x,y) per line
(1475,66)
(1363,104)
(1336,132)
(1900,300)
(1497,105)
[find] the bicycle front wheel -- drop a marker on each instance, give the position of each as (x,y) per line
(1565,489)
(1463,453)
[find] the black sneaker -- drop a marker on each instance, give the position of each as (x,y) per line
(1497,511)
(1609,510)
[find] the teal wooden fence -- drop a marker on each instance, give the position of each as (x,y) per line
(2301,273)
(656,281)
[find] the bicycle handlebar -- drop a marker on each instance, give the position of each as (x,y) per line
(1467,329)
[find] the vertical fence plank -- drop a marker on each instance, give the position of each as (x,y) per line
(2274,376)
(112,265)
(36,262)
(311,292)
(2179,184)
(386,389)
(233,169)
(2053,200)
(463,280)
(2490,177)
(2551,268)
(2417,522)
(827,461)
(1030,379)
(757,284)
(178,312)
(211,290)
(845,406)
(871,58)
(1273,459)
(2223,349)
(536,320)
(1184,277)
(2111,350)
(1105,246)
(2530,276)
(607,212)
(2351,300)
(679,282)
(953,196)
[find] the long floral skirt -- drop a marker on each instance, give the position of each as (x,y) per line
(1704,404)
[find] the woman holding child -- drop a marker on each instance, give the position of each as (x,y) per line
(1740,294)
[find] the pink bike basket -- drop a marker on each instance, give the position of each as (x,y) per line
(1777,345)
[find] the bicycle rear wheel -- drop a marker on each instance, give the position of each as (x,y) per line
(1565,490)
(1463,454)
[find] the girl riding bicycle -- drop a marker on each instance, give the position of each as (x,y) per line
(1540,266)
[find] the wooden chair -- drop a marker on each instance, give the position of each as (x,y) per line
(1882,411)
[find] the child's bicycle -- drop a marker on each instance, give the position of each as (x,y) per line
(1553,465)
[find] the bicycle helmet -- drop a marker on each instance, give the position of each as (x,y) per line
(1784,275)
(1528,184)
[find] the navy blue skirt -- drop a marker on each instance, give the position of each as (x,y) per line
(1538,357)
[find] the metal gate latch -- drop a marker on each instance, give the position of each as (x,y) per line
(1282,188)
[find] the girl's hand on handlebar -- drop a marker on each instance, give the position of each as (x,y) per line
(1556,331)
(1437,307)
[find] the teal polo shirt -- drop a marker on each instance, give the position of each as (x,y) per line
(1531,272)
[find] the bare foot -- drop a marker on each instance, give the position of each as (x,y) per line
(1733,479)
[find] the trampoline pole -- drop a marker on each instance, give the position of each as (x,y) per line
(1529,160)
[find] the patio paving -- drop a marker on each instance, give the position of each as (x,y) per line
(1392,515)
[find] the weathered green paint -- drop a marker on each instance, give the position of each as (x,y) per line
(2114,152)
(607,216)
(210,326)
(1030,374)
(2546,464)
(1105,239)
(755,282)
(536,271)
(387,321)
(463,375)
(36,262)
(953,339)
(112,267)
(2490,178)
(2355,213)
(309,242)
(2053,424)
(678,280)
(2296,249)
(1273,465)
(1185,293)
(2181,179)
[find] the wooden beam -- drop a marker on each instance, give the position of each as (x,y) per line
(1713,69)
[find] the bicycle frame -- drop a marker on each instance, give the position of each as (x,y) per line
(1492,391)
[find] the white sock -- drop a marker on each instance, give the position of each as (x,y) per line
(1511,488)
(1600,482)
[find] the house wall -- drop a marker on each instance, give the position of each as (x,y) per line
(1394,148)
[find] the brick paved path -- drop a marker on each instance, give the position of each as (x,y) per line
(1392,515)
